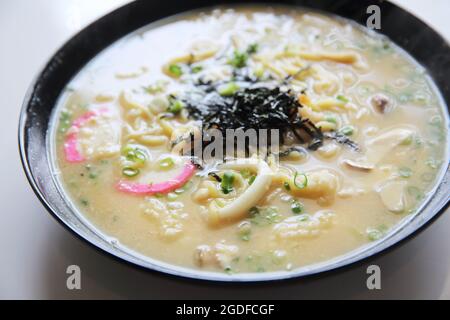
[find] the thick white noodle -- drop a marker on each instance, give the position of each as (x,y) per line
(239,208)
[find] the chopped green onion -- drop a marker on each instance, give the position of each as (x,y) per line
(219,202)
(155,88)
(65,115)
(227,182)
(287,186)
(435,121)
(130,172)
(175,70)
(305,180)
(331,118)
(196,69)
(415,192)
(259,73)
(407,141)
(140,156)
(172,196)
(342,98)
(228,270)
(229,89)
(134,154)
(264,216)
(239,59)
(244,230)
(248,175)
(65,121)
(129,154)
(93,175)
(432,163)
(374,234)
(253,48)
(297,207)
(127,149)
(405,172)
(175,106)
(418,141)
(347,130)
(166,163)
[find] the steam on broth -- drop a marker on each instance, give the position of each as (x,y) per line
(361,139)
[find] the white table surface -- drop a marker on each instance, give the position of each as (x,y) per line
(35,250)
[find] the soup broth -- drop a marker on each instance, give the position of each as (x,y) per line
(375,146)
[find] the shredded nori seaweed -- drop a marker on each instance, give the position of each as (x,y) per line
(252,108)
(257,104)
(342,139)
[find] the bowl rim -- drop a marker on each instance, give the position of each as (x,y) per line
(410,229)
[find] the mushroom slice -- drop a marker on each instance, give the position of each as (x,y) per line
(392,194)
(240,206)
(381,103)
(364,167)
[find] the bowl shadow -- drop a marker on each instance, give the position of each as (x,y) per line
(416,270)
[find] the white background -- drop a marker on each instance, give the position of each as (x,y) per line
(35,250)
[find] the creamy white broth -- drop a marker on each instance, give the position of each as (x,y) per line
(351,198)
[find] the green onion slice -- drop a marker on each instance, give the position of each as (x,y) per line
(130,172)
(166,163)
(302,185)
(227,182)
(175,70)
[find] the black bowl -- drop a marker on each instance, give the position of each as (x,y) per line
(422,42)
